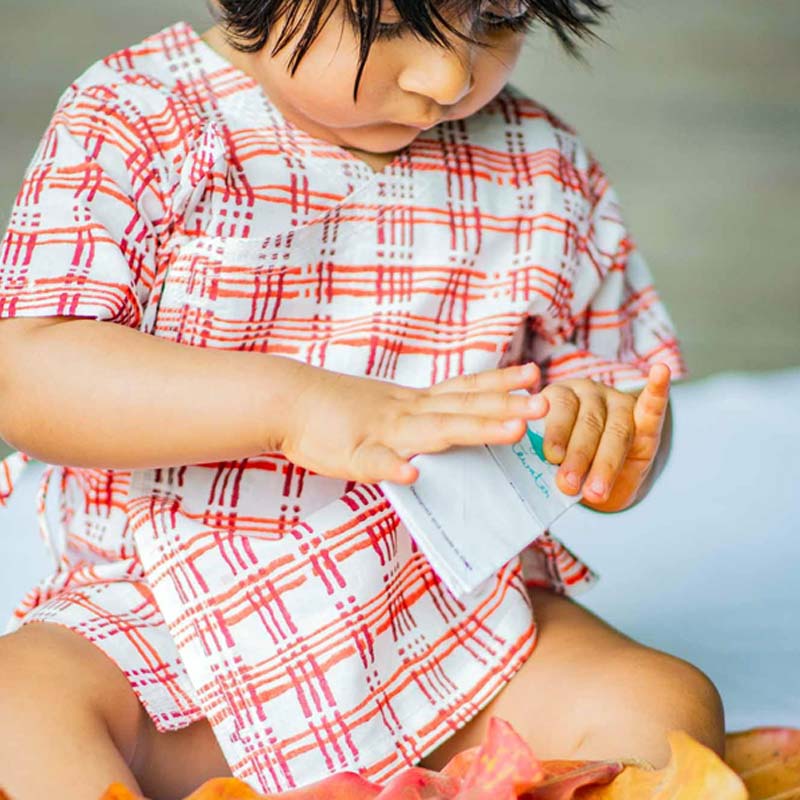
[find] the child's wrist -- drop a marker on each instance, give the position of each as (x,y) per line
(283,383)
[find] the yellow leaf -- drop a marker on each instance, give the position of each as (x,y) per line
(768,761)
(693,773)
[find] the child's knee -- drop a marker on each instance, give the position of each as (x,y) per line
(51,675)
(697,702)
(652,693)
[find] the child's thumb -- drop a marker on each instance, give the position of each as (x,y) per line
(377,462)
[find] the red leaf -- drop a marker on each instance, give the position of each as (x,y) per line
(563,778)
(342,786)
(503,767)
(417,783)
(459,765)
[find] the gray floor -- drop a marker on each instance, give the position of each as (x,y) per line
(694,109)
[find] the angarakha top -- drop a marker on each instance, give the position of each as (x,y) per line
(290,609)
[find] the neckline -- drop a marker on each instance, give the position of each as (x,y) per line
(195,40)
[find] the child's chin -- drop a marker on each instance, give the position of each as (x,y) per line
(385,139)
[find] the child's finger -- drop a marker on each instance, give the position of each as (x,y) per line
(583,442)
(499,405)
(651,405)
(507,379)
(564,408)
(433,433)
(375,462)
(615,442)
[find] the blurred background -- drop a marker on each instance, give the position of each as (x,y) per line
(693,107)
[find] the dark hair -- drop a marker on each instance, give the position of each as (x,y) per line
(249,23)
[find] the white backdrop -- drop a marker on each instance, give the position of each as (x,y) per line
(707,567)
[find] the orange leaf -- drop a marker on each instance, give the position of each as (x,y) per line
(562,779)
(693,773)
(767,760)
(114,792)
(503,767)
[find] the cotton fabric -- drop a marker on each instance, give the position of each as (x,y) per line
(293,610)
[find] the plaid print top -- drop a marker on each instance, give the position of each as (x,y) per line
(169,195)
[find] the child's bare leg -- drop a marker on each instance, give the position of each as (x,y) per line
(70,725)
(588,692)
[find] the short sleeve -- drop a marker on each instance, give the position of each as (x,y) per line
(83,231)
(608,322)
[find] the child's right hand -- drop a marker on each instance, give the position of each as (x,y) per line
(365,430)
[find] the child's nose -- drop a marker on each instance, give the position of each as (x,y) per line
(443,75)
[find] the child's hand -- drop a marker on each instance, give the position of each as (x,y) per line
(607,437)
(365,430)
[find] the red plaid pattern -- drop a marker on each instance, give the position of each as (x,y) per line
(292,610)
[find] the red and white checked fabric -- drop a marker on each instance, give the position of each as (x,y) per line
(293,610)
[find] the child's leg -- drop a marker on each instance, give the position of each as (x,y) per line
(588,692)
(70,725)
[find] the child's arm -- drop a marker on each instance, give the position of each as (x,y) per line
(89,393)
(98,394)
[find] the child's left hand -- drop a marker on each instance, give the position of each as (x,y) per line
(607,437)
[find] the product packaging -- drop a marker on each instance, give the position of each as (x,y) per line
(473,509)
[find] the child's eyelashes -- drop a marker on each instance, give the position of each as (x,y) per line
(390,30)
(492,22)
(485,23)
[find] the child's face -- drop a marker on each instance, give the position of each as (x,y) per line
(408,84)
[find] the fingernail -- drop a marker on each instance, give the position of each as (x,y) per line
(598,487)
(529,370)
(573,480)
(557,452)
(511,425)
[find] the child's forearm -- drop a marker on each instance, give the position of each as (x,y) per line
(96,394)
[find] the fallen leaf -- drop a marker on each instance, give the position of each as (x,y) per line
(114,792)
(562,779)
(694,773)
(224,789)
(503,767)
(459,765)
(768,761)
(342,786)
(420,783)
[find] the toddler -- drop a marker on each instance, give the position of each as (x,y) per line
(249,275)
